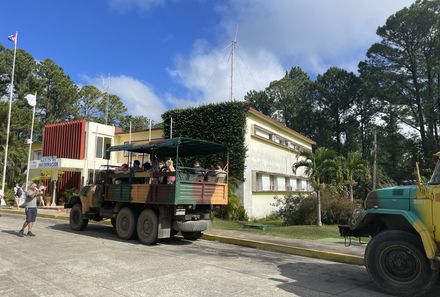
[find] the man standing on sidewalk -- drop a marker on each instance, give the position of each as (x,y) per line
(31,209)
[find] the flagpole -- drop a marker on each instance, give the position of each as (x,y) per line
(2,202)
(30,144)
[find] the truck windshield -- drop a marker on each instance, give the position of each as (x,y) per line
(435,179)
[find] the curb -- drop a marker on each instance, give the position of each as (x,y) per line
(40,215)
(310,253)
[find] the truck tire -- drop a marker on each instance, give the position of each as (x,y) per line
(76,219)
(147,225)
(192,235)
(397,263)
(126,223)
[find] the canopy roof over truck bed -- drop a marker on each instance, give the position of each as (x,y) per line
(168,147)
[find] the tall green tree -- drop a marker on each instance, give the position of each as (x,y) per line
(89,99)
(317,164)
(407,60)
(349,168)
(337,89)
(261,102)
(116,110)
(57,94)
(138,123)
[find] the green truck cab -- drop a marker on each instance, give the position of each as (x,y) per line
(402,255)
(140,205)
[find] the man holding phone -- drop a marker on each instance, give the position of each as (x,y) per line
(30,209)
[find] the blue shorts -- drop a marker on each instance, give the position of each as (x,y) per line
(31,214)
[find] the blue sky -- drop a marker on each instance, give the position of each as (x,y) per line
(163,54)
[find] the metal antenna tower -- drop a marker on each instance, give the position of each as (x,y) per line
(233,45)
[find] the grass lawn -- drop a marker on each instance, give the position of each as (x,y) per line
(276,228)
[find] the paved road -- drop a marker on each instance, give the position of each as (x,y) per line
(60,262)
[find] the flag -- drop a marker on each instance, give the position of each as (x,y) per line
(31,99)
(13,38)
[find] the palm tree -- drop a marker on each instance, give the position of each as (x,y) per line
(316,164)
(350,166)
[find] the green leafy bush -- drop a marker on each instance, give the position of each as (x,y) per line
(233,210)
(223,123)
(301,210)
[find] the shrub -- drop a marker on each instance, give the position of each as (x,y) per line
(296,209)
(300,210)
(232,211)
(9,196)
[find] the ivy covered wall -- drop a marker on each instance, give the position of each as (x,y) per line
(223,123)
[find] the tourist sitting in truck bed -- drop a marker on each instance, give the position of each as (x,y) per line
(171,179)
(147,166)
(136,166)
(216,174)
(122,169)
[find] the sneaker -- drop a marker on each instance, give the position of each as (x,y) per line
(30,233)
(21,233)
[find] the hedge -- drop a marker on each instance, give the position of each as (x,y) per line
(223,123)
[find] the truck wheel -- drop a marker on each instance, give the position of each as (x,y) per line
(76,219)
(147,227)
(125,223)
(396,261)
(192,235)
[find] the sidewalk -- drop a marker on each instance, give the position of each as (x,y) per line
(330,251)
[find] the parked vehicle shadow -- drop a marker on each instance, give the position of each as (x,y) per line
(108,232)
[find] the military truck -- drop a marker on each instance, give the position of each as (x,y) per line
(402,256)
(139,203)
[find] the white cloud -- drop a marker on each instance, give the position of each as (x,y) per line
(274,36)
(315,34)
(137,96)
(207,73)
(125,5)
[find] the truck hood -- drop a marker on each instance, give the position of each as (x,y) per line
(398,197)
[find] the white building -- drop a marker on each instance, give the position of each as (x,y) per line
(272,149)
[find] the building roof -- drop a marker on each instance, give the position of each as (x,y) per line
(120,131)
(281,126)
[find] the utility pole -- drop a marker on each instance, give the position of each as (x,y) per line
(374,161)
(107,103)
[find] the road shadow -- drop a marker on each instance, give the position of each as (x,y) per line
(331,279)
(109,233)
(12,232)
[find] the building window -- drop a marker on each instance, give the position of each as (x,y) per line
(259,181)
(102,144)
(267,182)
(273,183)
(262,133)
(287,183)
(298,185)
(37,155)
(266,134)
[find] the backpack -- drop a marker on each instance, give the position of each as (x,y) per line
(19,192)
